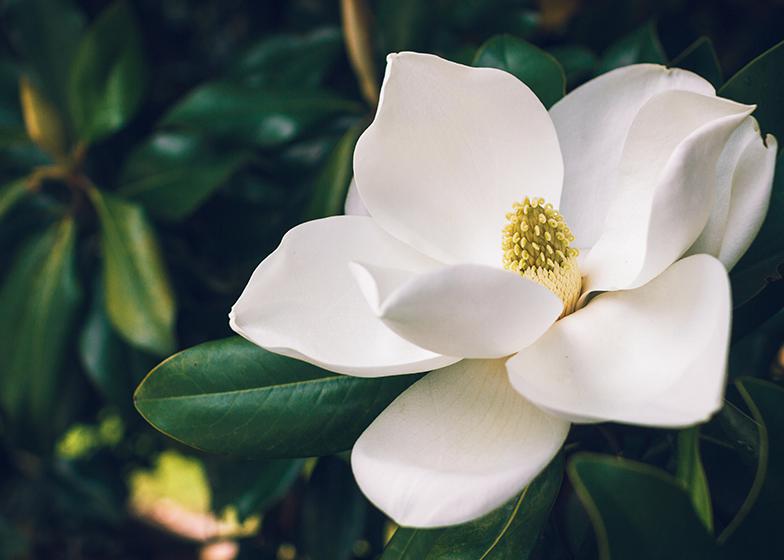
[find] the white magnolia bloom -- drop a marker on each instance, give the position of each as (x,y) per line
(461,264)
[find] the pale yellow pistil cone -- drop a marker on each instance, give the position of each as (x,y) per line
(536,245)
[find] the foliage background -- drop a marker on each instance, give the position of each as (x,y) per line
(159,150)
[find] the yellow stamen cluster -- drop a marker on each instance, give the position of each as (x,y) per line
(536,245)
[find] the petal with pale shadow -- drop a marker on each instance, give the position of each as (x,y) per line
(454,446)
(666,178)
(465,310)
(302,301)
(653,356)
(450,150)
(592,123)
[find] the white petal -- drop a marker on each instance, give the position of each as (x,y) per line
(467,310)
(751,188)
(454,446)
(592,123)
(666,188)
(302,301)
(449,152)
(354,205)
(653,356)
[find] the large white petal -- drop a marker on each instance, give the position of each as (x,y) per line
(666,187)
(592,123)
(652,356)
(454,446)
(466,310)
(449,152)
(354,205)
(303,302)
(751,188)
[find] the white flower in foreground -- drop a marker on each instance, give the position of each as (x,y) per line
(462,262)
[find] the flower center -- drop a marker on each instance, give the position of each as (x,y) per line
(536,246)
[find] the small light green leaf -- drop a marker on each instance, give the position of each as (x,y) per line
(537,69)
(139,300)
(108,75)
(261,117)
(642,45)
(690,473)
(755,531)
(10,194)
(331,185)
(230,396)
(289,61)
(39,299)
(511,531)
(174,172)
(700,57)
(761,82)
(638,511)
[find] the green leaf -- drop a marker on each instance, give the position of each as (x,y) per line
(642,45)
(230,396)
(10,194)
(251,487)
(261,117)
(331,185)
(755,531)
(404,25)
(638,511)
(112,365)
(175,172)
(511,531)
(700,57)
(537,69)
(289,61)
(761,82)
(139,300)
(333,511)
(577,62)
(691,474)
(108,75)
(47,34)
(39,299)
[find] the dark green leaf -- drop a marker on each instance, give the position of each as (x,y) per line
(10,194)
(47,34)
(333,511)
(139,300)
(700,57)
(38,302)
(289,61)
(331,185)
(230,396)
(251,487)
(404,25)
(262,117)
(173,173)
(638,511)
(511,531)
(691,474)
(537,69)
(761,82)
(642,45)
(112,365)
(577,62)
(108,75)
(755,532)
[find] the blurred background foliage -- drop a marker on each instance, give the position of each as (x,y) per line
(152,153)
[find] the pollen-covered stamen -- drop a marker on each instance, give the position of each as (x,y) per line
(536,245)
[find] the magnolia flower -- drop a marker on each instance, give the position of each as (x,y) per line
(535,260)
